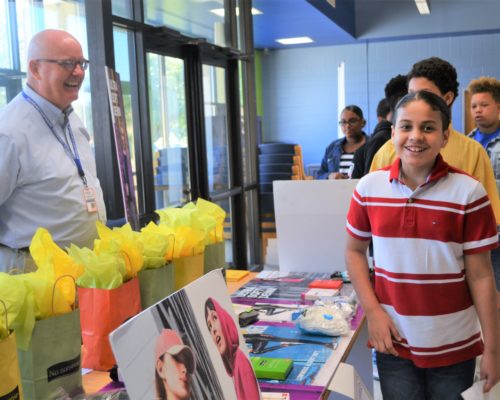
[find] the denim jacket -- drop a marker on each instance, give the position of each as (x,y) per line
(331,161)
(493,150)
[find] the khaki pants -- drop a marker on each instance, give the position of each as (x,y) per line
(16,261)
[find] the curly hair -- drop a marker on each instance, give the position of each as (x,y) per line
(438,71)
(486,84)
(395,89)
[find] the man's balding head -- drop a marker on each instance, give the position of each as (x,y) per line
(53,81)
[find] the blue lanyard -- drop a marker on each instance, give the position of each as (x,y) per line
(73,155)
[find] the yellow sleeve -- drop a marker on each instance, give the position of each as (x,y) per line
(484,173)
(383,157)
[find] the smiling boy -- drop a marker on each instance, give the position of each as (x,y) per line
(431,311)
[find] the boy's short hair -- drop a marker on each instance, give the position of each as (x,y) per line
(434,101)
(439,71)
(485,84)
(383,108)
(396,88)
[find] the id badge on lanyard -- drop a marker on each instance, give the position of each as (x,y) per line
(90,199)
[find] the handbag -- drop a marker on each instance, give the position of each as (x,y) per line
(51,366)
(215,256)
(101,312)
(187,269)
(156,284)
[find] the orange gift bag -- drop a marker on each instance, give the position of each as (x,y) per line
(101,312)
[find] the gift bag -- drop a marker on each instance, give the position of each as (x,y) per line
(156,284)
(187,269)
(10,382)
(101,312)
(215,256)
(51,364)
(52,361)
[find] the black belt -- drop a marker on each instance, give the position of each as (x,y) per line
(25,249)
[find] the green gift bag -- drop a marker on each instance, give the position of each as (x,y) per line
(187,269)
(52,361)
(215,256)
(156,284)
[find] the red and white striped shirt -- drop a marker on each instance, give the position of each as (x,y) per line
(419,241)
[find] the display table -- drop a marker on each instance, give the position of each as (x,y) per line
(96,380)
(351,349)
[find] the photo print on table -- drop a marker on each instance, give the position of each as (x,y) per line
(181,347)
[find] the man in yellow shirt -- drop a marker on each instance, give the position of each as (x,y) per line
(440,77)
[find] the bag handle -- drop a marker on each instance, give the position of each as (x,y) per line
(6,315)
(54,290)
(15,271)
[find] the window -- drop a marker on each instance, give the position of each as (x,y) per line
(214,96)
(167,118)
(200,19)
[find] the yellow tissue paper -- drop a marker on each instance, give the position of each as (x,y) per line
(20,309)
(53,263)
(188,241)
(218,213)
(175,217)
(48,292)
(155,245)
(127,245)
(101,271)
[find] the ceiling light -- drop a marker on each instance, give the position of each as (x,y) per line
(220,11)
(423,6)
(295,40)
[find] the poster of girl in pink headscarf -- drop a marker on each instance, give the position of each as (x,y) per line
(226,338)
(187,346)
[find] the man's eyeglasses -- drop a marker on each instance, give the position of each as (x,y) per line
(349,122)
(68,65)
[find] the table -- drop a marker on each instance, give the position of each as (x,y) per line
(351,349)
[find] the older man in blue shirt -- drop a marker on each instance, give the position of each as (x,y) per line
(48,168)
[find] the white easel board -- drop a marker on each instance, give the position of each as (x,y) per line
(310,223)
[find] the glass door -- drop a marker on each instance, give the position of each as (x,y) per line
(216,128)
(217,144)
(168,127)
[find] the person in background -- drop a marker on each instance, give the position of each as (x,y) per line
(431,311)
(174,365)
(440,77)
(394,90)
(485,109)
(48,168)
(383,109)
(337,161)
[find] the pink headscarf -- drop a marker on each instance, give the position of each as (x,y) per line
(230,333)
(235,361)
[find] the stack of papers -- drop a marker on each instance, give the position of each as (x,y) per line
(234,275)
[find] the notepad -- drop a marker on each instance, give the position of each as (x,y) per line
(234,275)
(318,293)
(326,284)
(271,368)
